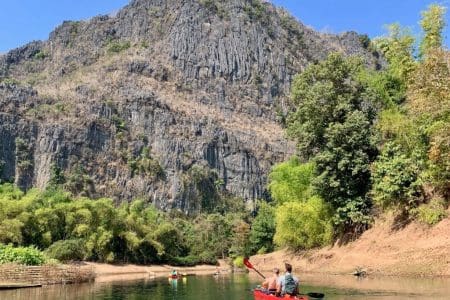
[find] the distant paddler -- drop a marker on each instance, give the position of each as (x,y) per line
(174,274)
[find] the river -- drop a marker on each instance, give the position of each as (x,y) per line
(236,287)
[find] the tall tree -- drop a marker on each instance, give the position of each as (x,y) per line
(433,23)
(332,125)
(398,49)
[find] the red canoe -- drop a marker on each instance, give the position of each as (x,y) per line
(261,296)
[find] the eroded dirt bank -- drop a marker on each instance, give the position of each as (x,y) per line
(414,250)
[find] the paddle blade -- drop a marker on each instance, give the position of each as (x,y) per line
(248,264)
(316,295)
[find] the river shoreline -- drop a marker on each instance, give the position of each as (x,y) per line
(23,276)
(415,250)
(109,272)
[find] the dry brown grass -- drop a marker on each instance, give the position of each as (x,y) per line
(415,250)
(104,84)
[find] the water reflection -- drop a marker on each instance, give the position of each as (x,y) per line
(237,287)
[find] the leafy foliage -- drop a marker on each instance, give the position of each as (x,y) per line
(396,179)
(343,169)
(332,125)
(303,225)
(291,181)
(263,229)
(67,250)
(74,229)
(116,46)
(432,212)
(398,48)
(414,166)
(238,262)
(433,23)
(29,256)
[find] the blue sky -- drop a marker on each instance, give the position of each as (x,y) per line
(364,16)
(22,21)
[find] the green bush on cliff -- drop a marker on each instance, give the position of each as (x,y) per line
(115,46)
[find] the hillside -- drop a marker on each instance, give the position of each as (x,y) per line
(169,101)
(415,250)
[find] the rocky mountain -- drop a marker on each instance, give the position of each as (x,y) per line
(172,101)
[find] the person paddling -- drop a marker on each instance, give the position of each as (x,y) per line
(271,282)
(288,283)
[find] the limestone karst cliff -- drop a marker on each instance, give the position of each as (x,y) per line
(169,101)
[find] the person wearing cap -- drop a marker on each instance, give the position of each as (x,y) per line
(270,284)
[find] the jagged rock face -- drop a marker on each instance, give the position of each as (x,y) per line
(170,101)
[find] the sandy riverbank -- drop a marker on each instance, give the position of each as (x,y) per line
(108,272)
(415,250)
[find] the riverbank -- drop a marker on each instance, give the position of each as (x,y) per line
(88,271)
(415,250)
(108,272)
(17,276)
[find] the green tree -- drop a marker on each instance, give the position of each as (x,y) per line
(396,179)
(433,23)
(263,229)
(291,181)
(56,176)
(324,94)
(303,225)
(169,236)
(332,124)
(398,49)
(240,245)
(429,108)
(344,170)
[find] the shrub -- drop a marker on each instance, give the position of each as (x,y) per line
(118,46)
(396,179)
(41,55)
(289,23)
(257,10)
(192,260)
(9,81)
(291,181)
(29,256)
(209,4)
(11,231)
(432,212)
(263,250)
(188,261)
(263,229)
(303,225)
(238,262)
(66,250)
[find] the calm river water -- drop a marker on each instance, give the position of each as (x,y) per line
(236,287)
